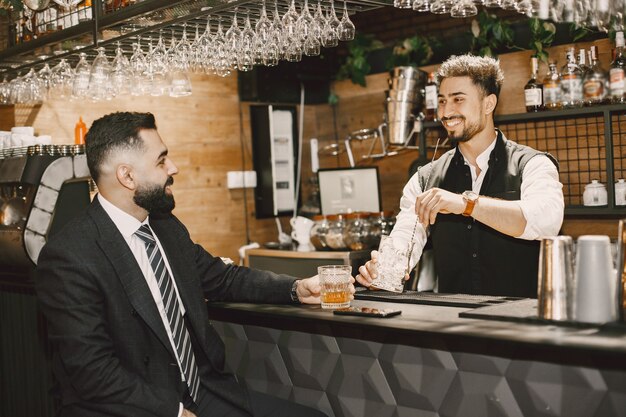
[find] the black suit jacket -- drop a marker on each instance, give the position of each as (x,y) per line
(112,356)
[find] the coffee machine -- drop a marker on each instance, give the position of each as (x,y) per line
(42,187)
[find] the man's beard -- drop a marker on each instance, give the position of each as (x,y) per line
(467,133)
(154,199)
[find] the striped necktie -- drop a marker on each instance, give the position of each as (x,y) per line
(180,334)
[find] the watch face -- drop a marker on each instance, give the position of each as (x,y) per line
(470,195)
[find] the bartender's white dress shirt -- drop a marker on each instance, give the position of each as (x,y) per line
(128,225)
(541,201)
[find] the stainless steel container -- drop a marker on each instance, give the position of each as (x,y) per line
(556,292)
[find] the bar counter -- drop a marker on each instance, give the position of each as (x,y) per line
(426,362)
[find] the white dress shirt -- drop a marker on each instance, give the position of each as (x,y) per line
(128,225)
(541,202)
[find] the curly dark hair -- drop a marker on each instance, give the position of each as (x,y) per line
(485,72)
(114,131)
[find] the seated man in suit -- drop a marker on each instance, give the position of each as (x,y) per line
(123,288)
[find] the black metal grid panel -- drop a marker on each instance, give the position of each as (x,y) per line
(618,123)
(578,143)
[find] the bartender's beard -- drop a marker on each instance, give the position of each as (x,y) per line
(470,130)
(154,199)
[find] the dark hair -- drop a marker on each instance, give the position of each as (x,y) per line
(485,72)
(114,131)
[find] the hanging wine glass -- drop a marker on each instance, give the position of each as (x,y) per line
(403,4)
(291,37)
(61,80)
(510,4)
(441,6)
(157,69)
(231,38)
(493,3)
(318,22)
(581,12)
(602,15)
(99,79)
(138,69)
(182,52)
(346,29)
(82,73)
(330,37)
(45,80)
(421,5)
(195,60)
(32,89)
(465,8)
(5,91)
(279,30)
(262,33)
(121,73)
(245,56)
(304,22)
(222,56)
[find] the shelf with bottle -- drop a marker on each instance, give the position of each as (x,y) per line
(579,83)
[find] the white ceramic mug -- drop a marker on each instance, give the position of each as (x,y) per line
(301,233)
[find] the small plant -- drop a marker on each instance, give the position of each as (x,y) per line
(578,32)
(541,37)
(414,51)
(490,34)
(356,66)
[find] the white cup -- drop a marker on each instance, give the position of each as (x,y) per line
(301,233)
(596,280)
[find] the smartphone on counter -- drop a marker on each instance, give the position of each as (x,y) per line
(367,312)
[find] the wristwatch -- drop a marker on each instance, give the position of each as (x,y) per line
(294,292)
(470,198)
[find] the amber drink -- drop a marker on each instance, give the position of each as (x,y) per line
(335,283)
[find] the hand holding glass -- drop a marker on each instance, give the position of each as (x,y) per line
(392,265)
(335,282)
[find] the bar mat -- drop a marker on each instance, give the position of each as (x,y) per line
(430,298)
(525,311)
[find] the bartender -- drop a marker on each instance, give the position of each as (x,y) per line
(485,203)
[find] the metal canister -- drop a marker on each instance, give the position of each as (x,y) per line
(556,293)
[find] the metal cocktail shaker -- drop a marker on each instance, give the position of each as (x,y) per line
(556,292)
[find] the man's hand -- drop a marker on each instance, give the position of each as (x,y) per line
(368,272)
(436,200)
(309,289)
(187,413)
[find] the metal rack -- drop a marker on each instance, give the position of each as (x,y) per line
(144,19)
(589,143)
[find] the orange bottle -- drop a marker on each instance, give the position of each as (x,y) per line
(79,132)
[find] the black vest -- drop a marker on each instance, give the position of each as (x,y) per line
(470,257)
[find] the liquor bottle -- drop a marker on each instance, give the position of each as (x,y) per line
(582,62)
(571,82)
(594,83)
(616,73)
(552,88)
(431,98)
(533,90)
